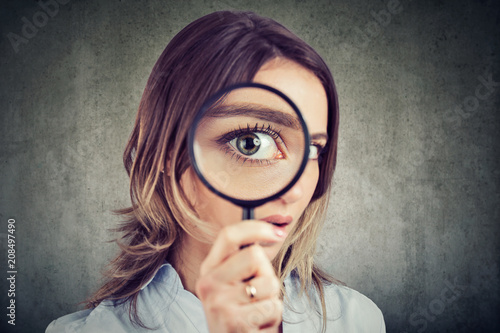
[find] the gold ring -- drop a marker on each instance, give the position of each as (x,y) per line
(251,291)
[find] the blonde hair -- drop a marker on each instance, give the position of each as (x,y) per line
(211,53)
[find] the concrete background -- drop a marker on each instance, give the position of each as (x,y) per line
(415,211)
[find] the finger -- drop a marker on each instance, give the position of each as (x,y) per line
(263,288)
(231,238)
(225,280)
(263,314)
(224,294)
(247,263)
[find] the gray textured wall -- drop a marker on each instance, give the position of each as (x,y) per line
(415,210)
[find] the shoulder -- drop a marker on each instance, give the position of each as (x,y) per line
(346,309)
(68,323)
(103,318)
(353,308)
(162,306)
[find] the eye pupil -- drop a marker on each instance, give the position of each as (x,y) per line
(248,144)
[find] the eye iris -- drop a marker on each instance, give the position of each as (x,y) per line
(248,144)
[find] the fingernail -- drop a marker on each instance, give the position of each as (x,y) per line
(278,231)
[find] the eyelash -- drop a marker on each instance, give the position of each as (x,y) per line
(269,130)
(226,138)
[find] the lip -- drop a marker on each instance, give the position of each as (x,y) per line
(279,220)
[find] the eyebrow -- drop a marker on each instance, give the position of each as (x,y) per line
(319,136)
(256,111)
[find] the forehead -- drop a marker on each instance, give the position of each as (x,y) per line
(301,86)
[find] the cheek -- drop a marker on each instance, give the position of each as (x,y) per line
(311,177)
(209,206)
(219,212)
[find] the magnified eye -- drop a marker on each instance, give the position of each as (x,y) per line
(257,145)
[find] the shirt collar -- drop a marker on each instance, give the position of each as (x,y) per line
(165,272)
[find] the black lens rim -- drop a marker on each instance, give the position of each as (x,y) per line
(201,113)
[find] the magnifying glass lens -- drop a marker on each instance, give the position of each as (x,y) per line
(249,144)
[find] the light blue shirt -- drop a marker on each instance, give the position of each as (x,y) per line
(164,304)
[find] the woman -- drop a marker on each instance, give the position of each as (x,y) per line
(185,264)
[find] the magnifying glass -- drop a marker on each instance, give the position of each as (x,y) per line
(249,144)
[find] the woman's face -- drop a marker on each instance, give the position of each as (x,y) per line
(307,92)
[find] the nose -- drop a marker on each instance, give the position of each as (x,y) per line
(294,194)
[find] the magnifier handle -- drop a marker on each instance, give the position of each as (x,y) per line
(247,213)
